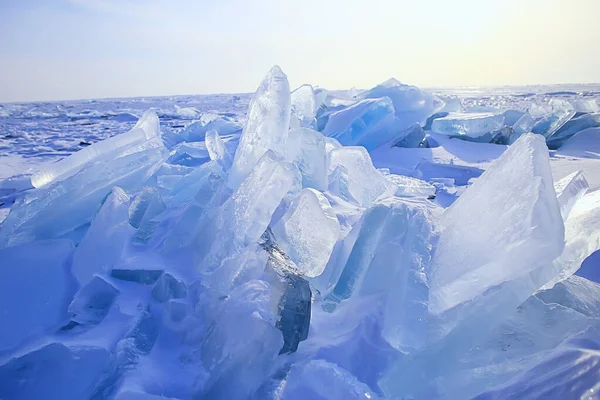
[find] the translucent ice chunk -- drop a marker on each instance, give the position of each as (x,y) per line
(48,372)
(570,189)
(411,187)
(101,247)
(388,257)
(168,287)
(245,216)
(319,379)
(305,105)
(560,111)
(523,125)
(266,127)
(412,137)
(369,123)
(479,249)
(93,301)
(61,207)
(308,231)
(472,125)
(571,127)
(189,154)
(586,106)
(144,134)
(196,131)
(34,290)
(306,149)
(411,104)
(294,312)
(365,183)
(216,149)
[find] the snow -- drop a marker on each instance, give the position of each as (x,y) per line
(229,246)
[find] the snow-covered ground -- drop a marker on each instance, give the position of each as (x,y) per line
(383,243)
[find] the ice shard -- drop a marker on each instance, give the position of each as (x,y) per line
(476,126)
(305,105)
(101,247)
(571,127)
(365,183)
(570,189)
(478,249)
(559,112)
(216,149)
(144,135)
(308,231)
(369,123)
(411,187)
(267,125)
(411,104)
(307,150)
(412,137)
(168,287)
(93,301)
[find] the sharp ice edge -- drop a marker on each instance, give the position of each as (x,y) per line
(274,259)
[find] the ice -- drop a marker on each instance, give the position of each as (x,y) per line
(369,123)
(142,136)
(411,104)
(101,247)
(319,379)
(308,231)
(54,371)
(137,275)
(570,189)
(168,287)
(478,249)
(93,301)
(151,205)
(216,149)
(571,127)
(266,127)
(586,106)
(189,154)
(412,137)
(365,183)
(522,126)
(558,113)
(74,201)
(305,105)
(476,126)
(245,216)
(196,131)
(35,289)
(511,117)
(411,187)
(307,150)
(294,312)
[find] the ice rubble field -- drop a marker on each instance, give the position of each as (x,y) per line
(387,243)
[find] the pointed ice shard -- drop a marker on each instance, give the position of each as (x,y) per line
(560,111)
(145,134)
(570,189)
(306,149)
(267,125)
(101,247)
(305,105)
(244,217)
(308,231)
(365,183)
(216,149)
(478,249)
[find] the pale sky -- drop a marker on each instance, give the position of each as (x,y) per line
(73,49)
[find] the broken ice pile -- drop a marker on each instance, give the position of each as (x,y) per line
(278,262)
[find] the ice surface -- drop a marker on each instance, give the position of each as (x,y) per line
(49,372)
(168,287)
(570,189)
(266,126)
(586,106)
(308,231)
(470,125)
(196,131)
(523,125)
(571,127)
(35,289)
(478,249)
(365,183)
